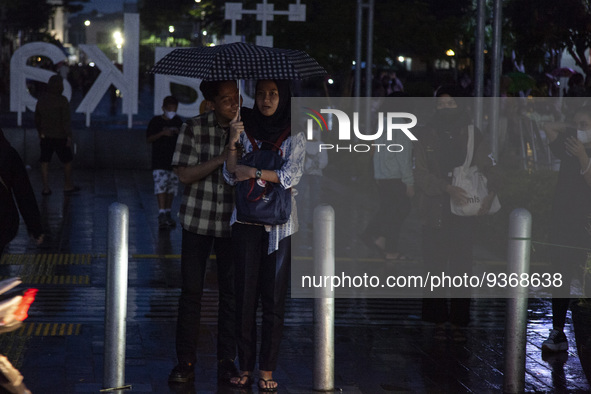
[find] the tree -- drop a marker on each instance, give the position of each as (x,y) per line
(545,27)
(189,18)
(30,17)
(424,29)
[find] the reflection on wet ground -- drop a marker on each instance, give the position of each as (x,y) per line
(380,344)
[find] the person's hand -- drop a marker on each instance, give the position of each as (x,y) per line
(236,128)
(167,131)
(576,148)
(39,240)
(243,173)
(457,194)
(486,204)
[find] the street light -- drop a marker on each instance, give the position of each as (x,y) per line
(453,63)
(87,23)
(118,37)
(171,29)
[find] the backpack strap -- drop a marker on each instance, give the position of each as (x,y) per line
(276,145)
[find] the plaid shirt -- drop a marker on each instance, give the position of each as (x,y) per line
(207,205)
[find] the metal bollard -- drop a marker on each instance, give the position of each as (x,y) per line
(116,298)
(324,261)
(516,320)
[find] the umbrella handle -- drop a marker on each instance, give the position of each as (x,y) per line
(239,96)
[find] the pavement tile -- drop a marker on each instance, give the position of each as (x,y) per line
(381,346)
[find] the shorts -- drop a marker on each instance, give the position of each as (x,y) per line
(165,181)
(57,145)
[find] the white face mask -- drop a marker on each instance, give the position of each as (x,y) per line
(169,114)
(584,136)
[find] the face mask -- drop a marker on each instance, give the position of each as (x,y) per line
(169,115)
(584,136)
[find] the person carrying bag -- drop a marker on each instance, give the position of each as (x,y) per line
(259,201)
(474,183)
(262,242)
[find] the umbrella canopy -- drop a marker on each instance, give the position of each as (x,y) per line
(238,61)
(563,72)
(520,82)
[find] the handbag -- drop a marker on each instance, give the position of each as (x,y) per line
(473,182)
(258,201)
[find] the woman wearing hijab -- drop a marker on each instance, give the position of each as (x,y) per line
(262,253)
(447,238)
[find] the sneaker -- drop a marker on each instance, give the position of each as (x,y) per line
(556,342)
(182,373)
(162,221)
(169,220)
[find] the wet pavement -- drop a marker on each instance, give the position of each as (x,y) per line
(381,345)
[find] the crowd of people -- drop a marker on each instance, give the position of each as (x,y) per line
(208,154)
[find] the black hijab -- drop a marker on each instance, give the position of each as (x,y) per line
(269,128)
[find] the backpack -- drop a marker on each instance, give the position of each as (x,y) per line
(258,201)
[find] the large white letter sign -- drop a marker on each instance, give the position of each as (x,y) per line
(162,88)
(264,12)
(20,98)
(126,82)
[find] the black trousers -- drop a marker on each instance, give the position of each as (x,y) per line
(567,260)
(259,276)
(195,253)
(393,210)
(449,249)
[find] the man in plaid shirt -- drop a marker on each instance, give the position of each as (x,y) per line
(205,214)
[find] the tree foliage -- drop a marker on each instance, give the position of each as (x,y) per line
(545,26)
(30,17)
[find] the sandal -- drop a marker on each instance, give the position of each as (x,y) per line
(239,384)
(227,371)
(266,382)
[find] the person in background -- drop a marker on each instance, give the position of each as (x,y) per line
(205,214)
(205,106)
(162,133)
(16,187)
(311,187)
(52,120)
(448,239)
(571,209)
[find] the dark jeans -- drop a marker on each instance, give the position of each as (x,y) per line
(449,249)
(393,210)
(195,253)
(567,261)
(264,276)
